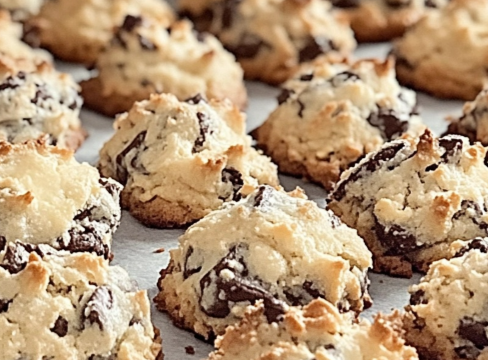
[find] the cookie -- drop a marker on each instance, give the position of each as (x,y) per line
(447,317)
(332,113)
(77,31)
(270,38)
(74,306)
(272,246)
(474,121)
(12,45)
(179,160)
(316,331)
(37,100)
(48,198)
(446,53)
(384,20)
(413,197)
(145,57)
(21,9)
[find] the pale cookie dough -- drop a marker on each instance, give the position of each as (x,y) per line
(474,121)
(447,318)
(332,113)
(77,30)
(383,20)
(270,38)
(146,57)
(11,43)
(316,331)
(446,53)
(277,247)
(181,160)
(412,198)
(74,306)
(22,9)
(36,100)
(48,198)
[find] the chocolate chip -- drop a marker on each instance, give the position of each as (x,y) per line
(467,352)
(301,108)
(111,187)
(395,239)
(474,212)
(248,47)
(189,270)
(306,77)
(346,3)
(486,159)
(476,244)
(229,9)
(76,104)
(453,147)
(342,77)
(13,82)
(234,177)
(4,305)
(85,239)
(197,99)
(16,257)
(131,22)
(397,4)
(102,357)
(3,242)
(121,171)
(473,331)
(387,153)
(240,287)
(41,94)
(418,297)
(264,193)
(390,123)
(285,95)
(99,303)
(334,220)
(204,124)
(315,46)
(145,43)
(302,295)
(60,327)
(431,4)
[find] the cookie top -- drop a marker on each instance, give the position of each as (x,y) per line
(270,38)
(47,197)
(22,9)
(146,57)
(73,306)
(316,331)
(271,246)
(12,45)
(414,194)
(37,100)
(334,112)
(474,121)
(449,305)
(194,153)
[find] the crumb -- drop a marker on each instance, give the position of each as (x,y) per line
(190,350)
(159,251)
(381,281)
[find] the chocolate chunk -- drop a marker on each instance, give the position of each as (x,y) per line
(122,174)
(306,77)
(102,357)
(261,199)
(430,4)
(390,123)
(346,3)
(397,4)
(395,239)
(131,22)
(474,212)
(453,147)
(86,239)
(486,159)
(302,295)
(418,297)
(234,177)
(188,269)
(16,257)
(473,331)
(315,46)
(204,124)
(145,43)
(342,77)
(301,108)
(240,287)
(60,327)
(228,12)
(374,163)
(111,187)
(248,47)
(285,95)
(76,104)
(99,303)
(4,304)
(13,82)
(41,94)
(3,242)
(477,244)
(467,352)
(197,99)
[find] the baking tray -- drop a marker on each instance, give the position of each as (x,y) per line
(134,244)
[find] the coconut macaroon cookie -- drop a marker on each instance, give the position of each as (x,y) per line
(447,318)
(474,121)
(270,38)
(332,113)
(413,197)
(272,246)
(48,198)
(74,306)
(316,331)
(446,53)
(22,9)
(146,57)
(78,30)
(179,160)
(35,100)
(383,20)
